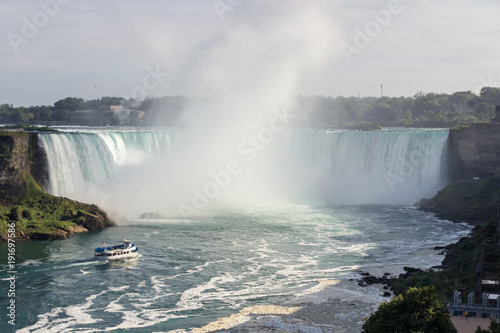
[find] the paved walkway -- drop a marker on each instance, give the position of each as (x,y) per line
(465,324)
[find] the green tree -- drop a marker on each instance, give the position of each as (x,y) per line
(69,103)
(17,116)
(61,115)
(5,107)
(490,95)
(107,101)
(44,115)
(419,310)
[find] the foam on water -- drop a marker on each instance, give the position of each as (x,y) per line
(71,316)
(31,262)
(191,274)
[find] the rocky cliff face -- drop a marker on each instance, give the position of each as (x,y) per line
(14,162)
(38,161)
(24,205)
(474,151)
(20,156)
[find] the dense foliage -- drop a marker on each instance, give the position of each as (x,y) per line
(419,310)
(420,110)
(160,111)
(38,215)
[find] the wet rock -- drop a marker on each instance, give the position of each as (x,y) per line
(94,222)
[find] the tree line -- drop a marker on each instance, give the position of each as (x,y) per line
(158,111)
(420,110)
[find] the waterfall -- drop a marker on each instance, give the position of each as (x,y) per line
(342,167)
(79,160)
(389,166)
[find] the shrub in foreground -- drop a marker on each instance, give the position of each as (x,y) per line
(419,310)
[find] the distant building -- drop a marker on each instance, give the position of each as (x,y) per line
(117,115)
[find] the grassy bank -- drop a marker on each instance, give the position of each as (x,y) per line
(25,209)
(39,215)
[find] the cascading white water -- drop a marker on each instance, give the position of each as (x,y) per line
(79,160)
(390,166)
(345,167)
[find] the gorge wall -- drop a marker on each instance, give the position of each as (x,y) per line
(474,151)
(20,157)
(14,162)
(25,207)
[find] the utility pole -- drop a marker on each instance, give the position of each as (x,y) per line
(498,223)
(381,90)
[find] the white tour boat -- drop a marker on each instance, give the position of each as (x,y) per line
(126,250)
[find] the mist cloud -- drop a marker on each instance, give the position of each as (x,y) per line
(236,78)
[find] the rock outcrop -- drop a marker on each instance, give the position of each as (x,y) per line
(14,162)
(34,213)
(473,201)
(474,151)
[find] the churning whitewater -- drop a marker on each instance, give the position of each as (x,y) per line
(239,256)
(195,271)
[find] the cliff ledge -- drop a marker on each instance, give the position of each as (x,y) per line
(26,210)
(474,150)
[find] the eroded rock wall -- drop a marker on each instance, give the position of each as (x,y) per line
(474,151)
(14,162)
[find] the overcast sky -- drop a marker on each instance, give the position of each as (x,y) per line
(52,49)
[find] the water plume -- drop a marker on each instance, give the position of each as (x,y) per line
(237,144)
(236,79)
